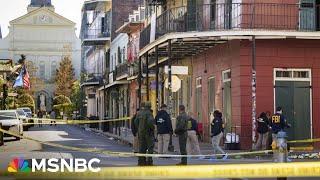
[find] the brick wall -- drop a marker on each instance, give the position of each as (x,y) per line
(120,13)
(270,54)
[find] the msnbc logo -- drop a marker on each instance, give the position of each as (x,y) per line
(19,165)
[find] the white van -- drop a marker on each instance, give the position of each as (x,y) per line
(11,122)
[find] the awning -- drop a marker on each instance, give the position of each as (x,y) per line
(130,27)
(113,84)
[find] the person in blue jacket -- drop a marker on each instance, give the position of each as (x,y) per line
(164,129)
(278,123)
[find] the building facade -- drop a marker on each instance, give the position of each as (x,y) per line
(95,35)
(242,58)
(45,37)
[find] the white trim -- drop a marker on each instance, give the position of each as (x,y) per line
(197,79)
(291,78)
(211,77)
(309,79)
(224,72)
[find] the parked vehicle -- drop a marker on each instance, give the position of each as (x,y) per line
(11,122)
(28,113)
(23,116)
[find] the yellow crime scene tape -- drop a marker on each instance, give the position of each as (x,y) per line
(45,121)
(305,169)
(261,170)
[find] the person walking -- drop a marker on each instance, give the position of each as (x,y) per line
(217,133)
(145,123)
(263,132)
(134,130)
(164,129)
(192,140)
(181,131)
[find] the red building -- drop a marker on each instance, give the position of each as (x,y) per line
(219,43)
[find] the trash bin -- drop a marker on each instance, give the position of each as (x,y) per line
(232,141)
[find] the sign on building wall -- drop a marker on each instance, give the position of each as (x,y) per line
(180,70)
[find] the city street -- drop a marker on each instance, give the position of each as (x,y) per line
(79,137)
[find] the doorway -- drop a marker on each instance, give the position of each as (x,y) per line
(292,91)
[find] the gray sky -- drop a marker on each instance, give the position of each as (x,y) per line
(12,9)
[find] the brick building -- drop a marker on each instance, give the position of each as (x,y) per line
(222,42)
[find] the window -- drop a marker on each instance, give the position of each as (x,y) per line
(291,74)
(226,75)
(211,94)
(123,54)
(119,55)
(227,111)
(42,70)
(199,98)
(53,69)
(198,82)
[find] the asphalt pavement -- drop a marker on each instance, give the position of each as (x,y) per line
(76,136)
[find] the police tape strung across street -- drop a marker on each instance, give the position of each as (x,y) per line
(261,170)
(130,154)
(45,121)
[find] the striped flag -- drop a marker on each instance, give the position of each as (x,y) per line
(23,80)
(26,78)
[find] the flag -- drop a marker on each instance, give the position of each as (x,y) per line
(19,81)
(23,80)
(26,78)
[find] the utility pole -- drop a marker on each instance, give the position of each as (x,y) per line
(253,92)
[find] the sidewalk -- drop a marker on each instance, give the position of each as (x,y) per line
(126,137)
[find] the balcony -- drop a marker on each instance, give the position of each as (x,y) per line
(122,71)
(95,37)
(94,79)
(236,16)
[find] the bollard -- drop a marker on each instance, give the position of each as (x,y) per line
(1,136)
(282,150)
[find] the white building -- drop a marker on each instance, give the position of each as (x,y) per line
(45,37)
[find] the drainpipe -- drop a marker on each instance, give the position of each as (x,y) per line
(157,80)
(169,77)
(147,75)
(139,82)
(253,93)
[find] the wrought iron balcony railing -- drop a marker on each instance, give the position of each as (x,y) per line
(96,34)
(121,70)
(235,16)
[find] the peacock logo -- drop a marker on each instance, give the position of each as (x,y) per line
(18,165)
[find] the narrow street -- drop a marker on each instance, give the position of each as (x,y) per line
(79,137)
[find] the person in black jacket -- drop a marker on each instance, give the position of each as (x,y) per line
(263,131)
(134,131)
(164,129)
(217,132)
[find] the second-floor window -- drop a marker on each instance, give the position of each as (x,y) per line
(119,55)
(123,54)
